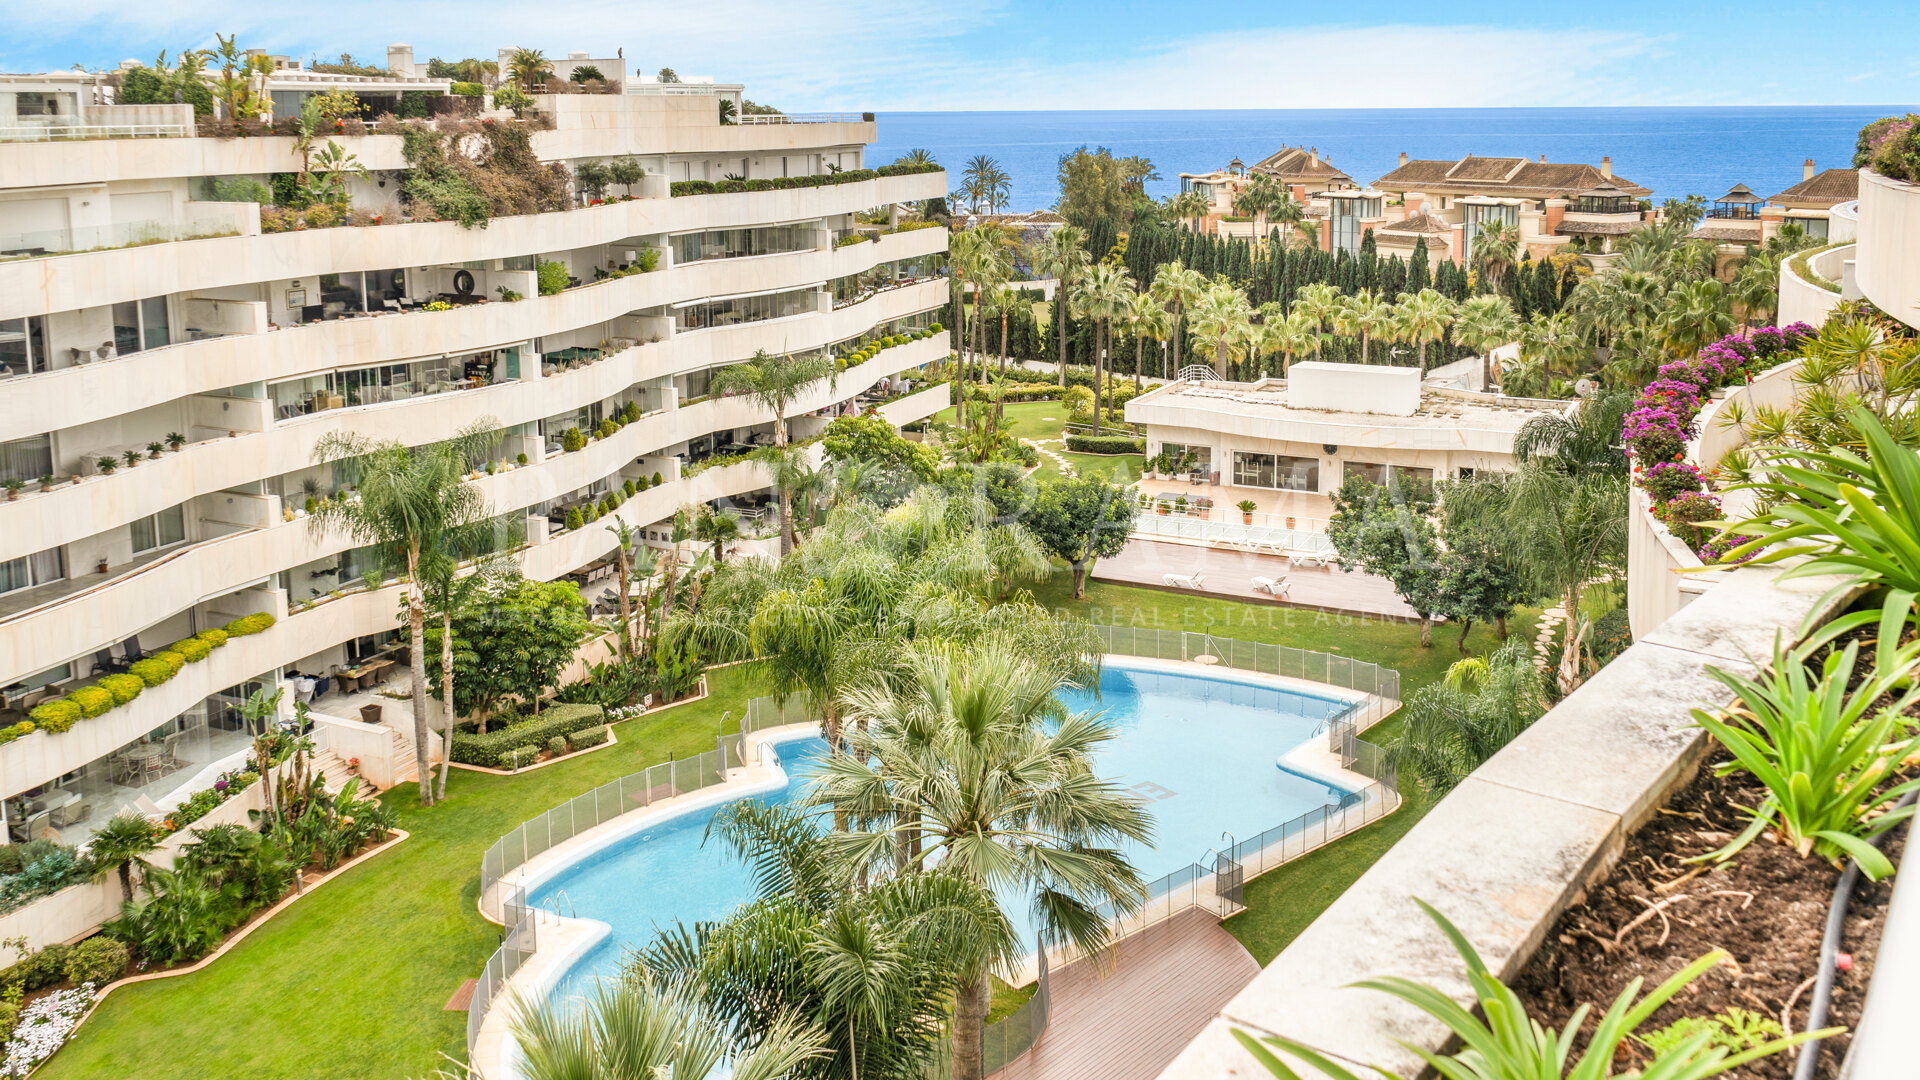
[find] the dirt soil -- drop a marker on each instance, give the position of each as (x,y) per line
(1767,907)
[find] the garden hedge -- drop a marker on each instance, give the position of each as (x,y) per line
(1105,444)
(782,183)
(124,688)
(519,757)
(586,737)
(492,749)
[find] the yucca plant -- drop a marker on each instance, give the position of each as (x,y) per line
(1848,514)
(1510,1045)
(1821,752)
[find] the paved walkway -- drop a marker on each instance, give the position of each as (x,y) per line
(1231,573)
(1128,1020)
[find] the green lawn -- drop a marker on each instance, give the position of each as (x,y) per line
(1042,422)
(350,982)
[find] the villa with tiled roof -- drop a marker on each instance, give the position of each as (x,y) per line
(1808,203)
(1302,165)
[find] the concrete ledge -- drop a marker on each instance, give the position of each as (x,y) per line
(1513,847)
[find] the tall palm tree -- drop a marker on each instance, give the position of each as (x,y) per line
(1756,288)
(623,535)
(1364,315)
(1496,247)
(1427,315)
(717,529)
(1291,336)
(406,506)
(917,158)
(1553,342)
(775,383)
(1321,303)
(1177,288)
(1696,315)
(1190,206)
(1145,319)
(633,1028)
(1001,301)
(451,592)
(1259,199)
(1223,315)
(985,183)
(1287,212)
(1486,322)
(530,68)
(969,755)
(1063,257)
(978,256)
(1105,294)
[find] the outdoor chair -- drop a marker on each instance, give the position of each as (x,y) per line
(1183,581)
(1276,587)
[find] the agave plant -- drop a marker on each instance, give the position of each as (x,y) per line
(1821,752)
(1510,1045)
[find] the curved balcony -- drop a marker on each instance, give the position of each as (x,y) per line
(1887,256)
(78,395)
(266,448)
(34,758)
(90,279)
(118,605)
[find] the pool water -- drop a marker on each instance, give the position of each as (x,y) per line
(1200,750)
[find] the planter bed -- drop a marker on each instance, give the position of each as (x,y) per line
(1767,907)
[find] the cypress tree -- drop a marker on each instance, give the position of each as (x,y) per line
(1367,245)
(1419,270)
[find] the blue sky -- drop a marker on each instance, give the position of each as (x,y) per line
(896,55)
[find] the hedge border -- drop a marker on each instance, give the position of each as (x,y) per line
(60,714)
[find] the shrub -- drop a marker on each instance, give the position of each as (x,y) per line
(1029,456)
(520,460)
(98,960)
(192,648)
(553,278)
(628,487)
(1105,444)
(557,746)
(492,748)
(215,637)
(520,757)
(608,428)
(92,700)
(575,520)
(56,716)
(249,624)
(1890,146)
(586,737)
(571,440)
(656,480)
(468,89)
(38,969)
(15,731)
(158,668)
(124,688)
(9,1018)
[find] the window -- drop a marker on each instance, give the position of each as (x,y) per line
(1276,471)
(23,344)
(140,324)
(26,459)
(164,529)
(739,243)
(33,103)
(1377,473)
(1202,455)
(1816,227)
(731,311)
(29,570)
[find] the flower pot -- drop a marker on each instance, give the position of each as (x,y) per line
(1164,511)
(1289,522)
(153,455)
(101,566)
(370,713)
(1246,519)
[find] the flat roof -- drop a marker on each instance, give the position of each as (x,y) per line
(1440,409)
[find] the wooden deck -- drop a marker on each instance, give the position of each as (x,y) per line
(1230,574)
(1129,1019)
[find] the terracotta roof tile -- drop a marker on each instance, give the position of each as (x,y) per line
(1471,169)
(1533,178)
(1420,225)
(1748,232)
(1830,186)
(1597,228)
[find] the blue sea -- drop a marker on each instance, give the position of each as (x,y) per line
(1675,151)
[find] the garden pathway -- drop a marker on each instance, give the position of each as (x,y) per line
(1230,573)
(1040,445)
(1127,1019)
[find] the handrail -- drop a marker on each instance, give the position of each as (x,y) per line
(70,132)
(804,118)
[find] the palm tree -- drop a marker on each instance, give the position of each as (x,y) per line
(1455,725)
(1696,315)
(530,68)
(1485,323)
(1063,257)
(775,383)
(1136,173)
(1261,197)
(1104,295)
(118,845)
(1427,315)
(407,504)
(633,1028)
(985,183)
(1002,300)
(1365,315)
(1288,213)
(623,535)
(1223,315)
(1190,206)
(1291,336)
(1756,288)
(917,158)
(969,756)
(450,592)
(1553,342)
(1145,318)
(1177,288)
(1495,249)
(1321,303)
(977,255)
(717,529)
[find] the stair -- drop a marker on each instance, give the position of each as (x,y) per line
(333,769)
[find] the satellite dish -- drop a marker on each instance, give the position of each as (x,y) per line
(463,282)
(1584,387)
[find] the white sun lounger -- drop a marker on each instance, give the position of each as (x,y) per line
(1276,587)
(1309,558)
(1183,581)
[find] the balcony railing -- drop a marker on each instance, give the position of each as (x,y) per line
(74,132)
(806,118)
(70,241)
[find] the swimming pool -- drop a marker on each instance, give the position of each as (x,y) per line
(1201,750)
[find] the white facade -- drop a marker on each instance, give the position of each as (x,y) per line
(135,307)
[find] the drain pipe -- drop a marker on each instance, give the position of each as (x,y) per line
(1809,1059)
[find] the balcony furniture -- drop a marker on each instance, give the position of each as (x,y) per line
(132,650)
(72,814)
(33,827)
(1183,581)
(56,799)
(169,753)
(124,768)
(105,664)
(1275,587)
(1309,558)
(153,764)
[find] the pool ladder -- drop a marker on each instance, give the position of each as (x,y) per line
(552,905)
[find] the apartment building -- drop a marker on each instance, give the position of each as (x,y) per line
(1551,204)
(169,363)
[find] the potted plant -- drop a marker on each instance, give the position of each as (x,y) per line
(1180,504)
(46,481)
(13,487)
(101,565)
(1289,521)
(107,465)
(131,457)
(1247,506)
(154,449)
(175,441)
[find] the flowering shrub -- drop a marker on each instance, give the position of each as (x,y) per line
(1716,548)
(44,1026)
(1663,418)
(1890,146)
